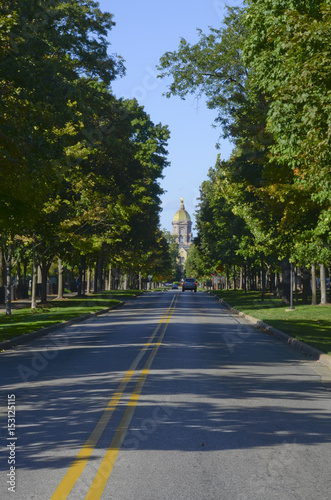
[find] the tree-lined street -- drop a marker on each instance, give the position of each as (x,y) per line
(266,209)
(170,396)
(80,169)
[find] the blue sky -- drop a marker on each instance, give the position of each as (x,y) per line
(144,31)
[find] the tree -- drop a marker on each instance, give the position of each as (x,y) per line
(45,49)
(213,67)
(195,264)
(289,52)
(115,191)
(264,182)
(176,273)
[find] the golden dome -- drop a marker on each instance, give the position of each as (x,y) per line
(181,215)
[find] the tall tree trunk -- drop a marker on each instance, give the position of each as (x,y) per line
(262,276)
(25,266)
(39,275)
(227,278)
(19,273)
(81,278)
(109,278)
(44,266)
(80,285)
(104,277)
(273,284)
(291,286)
(324,298)
(60,280)
(2,268)
(296,284)
(34,280)
(96,276)
(278,287)
(254,279)
(242,278)
(313,285)
(100,273)
(83,275)
(306,288)
(286,281)
(250,282)
(88,278)
(8,260)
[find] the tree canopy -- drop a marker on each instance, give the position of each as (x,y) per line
(80,169)
(266,72)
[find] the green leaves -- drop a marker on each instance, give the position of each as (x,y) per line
(267,72)
(80,169)
(289,50)
(43,94)
(212,67)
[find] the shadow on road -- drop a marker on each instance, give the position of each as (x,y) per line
(214,385)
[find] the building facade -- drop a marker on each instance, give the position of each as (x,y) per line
(182,230)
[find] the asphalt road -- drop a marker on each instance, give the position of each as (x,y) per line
(169,398)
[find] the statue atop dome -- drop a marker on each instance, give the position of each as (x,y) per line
(181,215)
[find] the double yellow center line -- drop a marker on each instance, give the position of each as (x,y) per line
(100,480)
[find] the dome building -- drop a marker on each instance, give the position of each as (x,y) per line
(182,230)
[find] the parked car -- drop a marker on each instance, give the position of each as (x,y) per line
(189,284)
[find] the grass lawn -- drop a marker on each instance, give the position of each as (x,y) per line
(310,324)
(27,320)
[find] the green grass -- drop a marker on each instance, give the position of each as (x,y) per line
(27,320)
(310,324)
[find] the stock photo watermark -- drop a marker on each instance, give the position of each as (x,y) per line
(41,359)
(133,440)
(148,426)
(11,444)
(239,335)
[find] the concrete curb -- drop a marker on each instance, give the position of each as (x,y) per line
(306,349)
(24,339)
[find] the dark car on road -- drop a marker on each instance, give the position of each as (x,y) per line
(189,284)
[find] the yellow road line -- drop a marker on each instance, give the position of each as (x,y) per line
(100,480)
(79,463)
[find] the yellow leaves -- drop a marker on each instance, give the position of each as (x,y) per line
(53,205)
(78,150)
(73,104)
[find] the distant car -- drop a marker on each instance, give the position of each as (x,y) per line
(189,284)
(174,286)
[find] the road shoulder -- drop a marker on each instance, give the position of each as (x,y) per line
(306,349)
